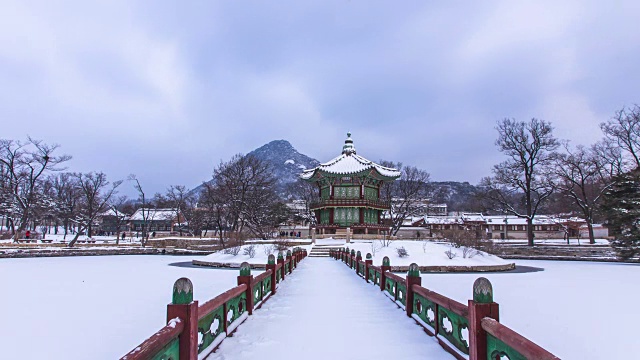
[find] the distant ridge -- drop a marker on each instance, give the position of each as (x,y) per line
(288,163)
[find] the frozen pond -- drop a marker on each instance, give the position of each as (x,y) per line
(101,307)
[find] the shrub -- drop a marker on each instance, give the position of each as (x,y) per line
(402,252)
(268,249)
(450,254)
(250,250)
(233,250)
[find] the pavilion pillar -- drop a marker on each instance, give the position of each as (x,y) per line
(361,215)
(331,211)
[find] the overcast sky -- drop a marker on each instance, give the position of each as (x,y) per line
(166,89)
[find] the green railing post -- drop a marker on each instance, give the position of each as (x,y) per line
(351,258)
(271,265)
(183,307)
(386,266)
(358,259)
(281,261)
(480,307)
(289,261)
(368,262)
(246,278)
(413,278)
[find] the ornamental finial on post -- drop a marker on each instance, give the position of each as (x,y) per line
(414,270)
(386,261)
(482,291)
(245,269)
(271,259)
(369,257)
(182,291)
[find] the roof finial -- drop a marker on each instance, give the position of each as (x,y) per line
(348,147)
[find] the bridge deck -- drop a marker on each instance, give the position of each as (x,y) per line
(324,311)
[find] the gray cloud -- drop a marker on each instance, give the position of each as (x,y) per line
(166,91)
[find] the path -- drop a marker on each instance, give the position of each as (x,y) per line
(325,311)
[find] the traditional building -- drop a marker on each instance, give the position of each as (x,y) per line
(349,189)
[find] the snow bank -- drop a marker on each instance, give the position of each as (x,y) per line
(262,252)
(423,253)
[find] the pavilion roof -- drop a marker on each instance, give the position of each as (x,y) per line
(350,163)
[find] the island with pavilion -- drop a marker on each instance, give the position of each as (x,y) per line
(349,194)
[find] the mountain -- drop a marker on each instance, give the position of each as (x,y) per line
(287,163)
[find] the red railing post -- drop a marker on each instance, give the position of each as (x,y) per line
(246,278)
(186,309)
(271,265)
(413,278)
(358,259)
(368,262)
(289,261)
(386,266)
(352,257)
(480,307)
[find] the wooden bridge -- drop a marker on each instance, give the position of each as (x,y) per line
(325,310)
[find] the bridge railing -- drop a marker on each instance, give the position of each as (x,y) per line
(471,331)
(194,331)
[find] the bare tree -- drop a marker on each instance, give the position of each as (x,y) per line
(95,192)
(65,191)
(408,195)
(178,197)
(525,175)
(624,130)
(23,165)
(145,209)
(238,180)
(213,203)
(584,175)
(117,205)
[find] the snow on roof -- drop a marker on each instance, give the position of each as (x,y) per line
(154,214)
(350,163)
(113,212)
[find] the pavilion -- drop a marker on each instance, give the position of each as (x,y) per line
(349,193)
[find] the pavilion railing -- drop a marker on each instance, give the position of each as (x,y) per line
(350,202)
(194,331)
(470,331)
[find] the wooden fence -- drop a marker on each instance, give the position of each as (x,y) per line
(194,331)
(471,331)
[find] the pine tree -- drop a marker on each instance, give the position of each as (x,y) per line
(621,207)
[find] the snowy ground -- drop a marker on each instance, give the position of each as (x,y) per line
(102,307)
(423,253)
(262,252)
(572,241)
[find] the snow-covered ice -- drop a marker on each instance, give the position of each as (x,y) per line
(93,307)
(102,307)
(310,318)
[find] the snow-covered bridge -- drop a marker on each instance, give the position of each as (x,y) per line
(326,310)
